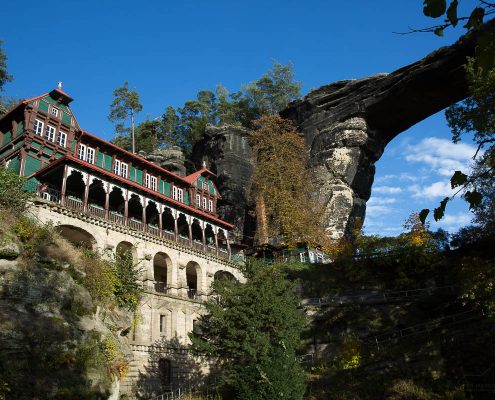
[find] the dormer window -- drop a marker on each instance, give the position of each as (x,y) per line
(205,185)
(151,182)
(54,111)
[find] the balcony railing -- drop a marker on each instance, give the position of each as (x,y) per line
(76,203)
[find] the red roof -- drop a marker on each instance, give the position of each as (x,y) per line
(195,175)
(131,183)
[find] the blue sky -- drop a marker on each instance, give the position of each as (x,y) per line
(170,50)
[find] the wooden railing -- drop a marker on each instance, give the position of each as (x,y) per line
(76,203)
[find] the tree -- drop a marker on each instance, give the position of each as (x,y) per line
(281,182)
(4,76)
(125,105)
(273,91)
(253,331)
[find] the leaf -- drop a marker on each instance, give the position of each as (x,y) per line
(458,179)
(438,31)
(473,198)
(475,19)
(434,8)
(452,13)
(440,210)
(423,214)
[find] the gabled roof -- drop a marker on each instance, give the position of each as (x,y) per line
(135,185)
(195,175)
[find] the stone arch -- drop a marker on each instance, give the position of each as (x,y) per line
(162,272)
(194,279)
(77,236)
(124,249)
(75,185)
(224,275)
(117,200)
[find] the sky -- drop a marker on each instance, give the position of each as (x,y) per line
(170,50)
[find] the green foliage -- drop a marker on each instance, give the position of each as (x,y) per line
(4,76)
(127,290)
(33,235)
(253,329)
(12,195)
(100,277)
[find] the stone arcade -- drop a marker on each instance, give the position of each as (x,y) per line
(101,196)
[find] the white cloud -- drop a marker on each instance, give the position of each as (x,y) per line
(452,222)
(380,201)
(441,155)
(378,209)
(387,189)
(401,177)
(432,191)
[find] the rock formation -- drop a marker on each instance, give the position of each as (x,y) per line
(347,124)
(172,158)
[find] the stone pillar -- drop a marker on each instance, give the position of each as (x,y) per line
(343,159)
(203,235)
(145,204)
(64,186)
(216,241)
(176,228)
(126,206)
(160,222)
(189,225)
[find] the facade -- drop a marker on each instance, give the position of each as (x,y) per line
(101,196)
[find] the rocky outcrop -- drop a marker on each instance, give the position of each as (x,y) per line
(171,158)
(347,124)
(226,151)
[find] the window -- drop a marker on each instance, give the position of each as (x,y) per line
(90,155)
(198,200)
(303,257)
(62,139)
(120,168)
(50,133)
(81,151)
(205,185)
(205,200)
(151,182)
(38,127)
(123,169)
(54,111)
(178,194)
(86,153)
(163,324)
(210,205)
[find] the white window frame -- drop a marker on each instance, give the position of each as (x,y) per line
(90,155)
(174,192)
(210,205)
(147,180)
(38,127)
(180,195)
(154,183)
(116,167)
(198,200)
(303,257)
(163,324)
(81,151)
(205,203)
(50,133)
(124,168)
(54,111)
(62,139)
(206,186)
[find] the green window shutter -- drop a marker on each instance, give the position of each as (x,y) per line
(212,187)
(99,159)
(43,106)
(167,189)
(108,162)
(139,176)
(186,197)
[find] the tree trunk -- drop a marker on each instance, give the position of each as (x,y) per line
(132,133)
(261,220)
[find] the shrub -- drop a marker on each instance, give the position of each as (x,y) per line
(12,195)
